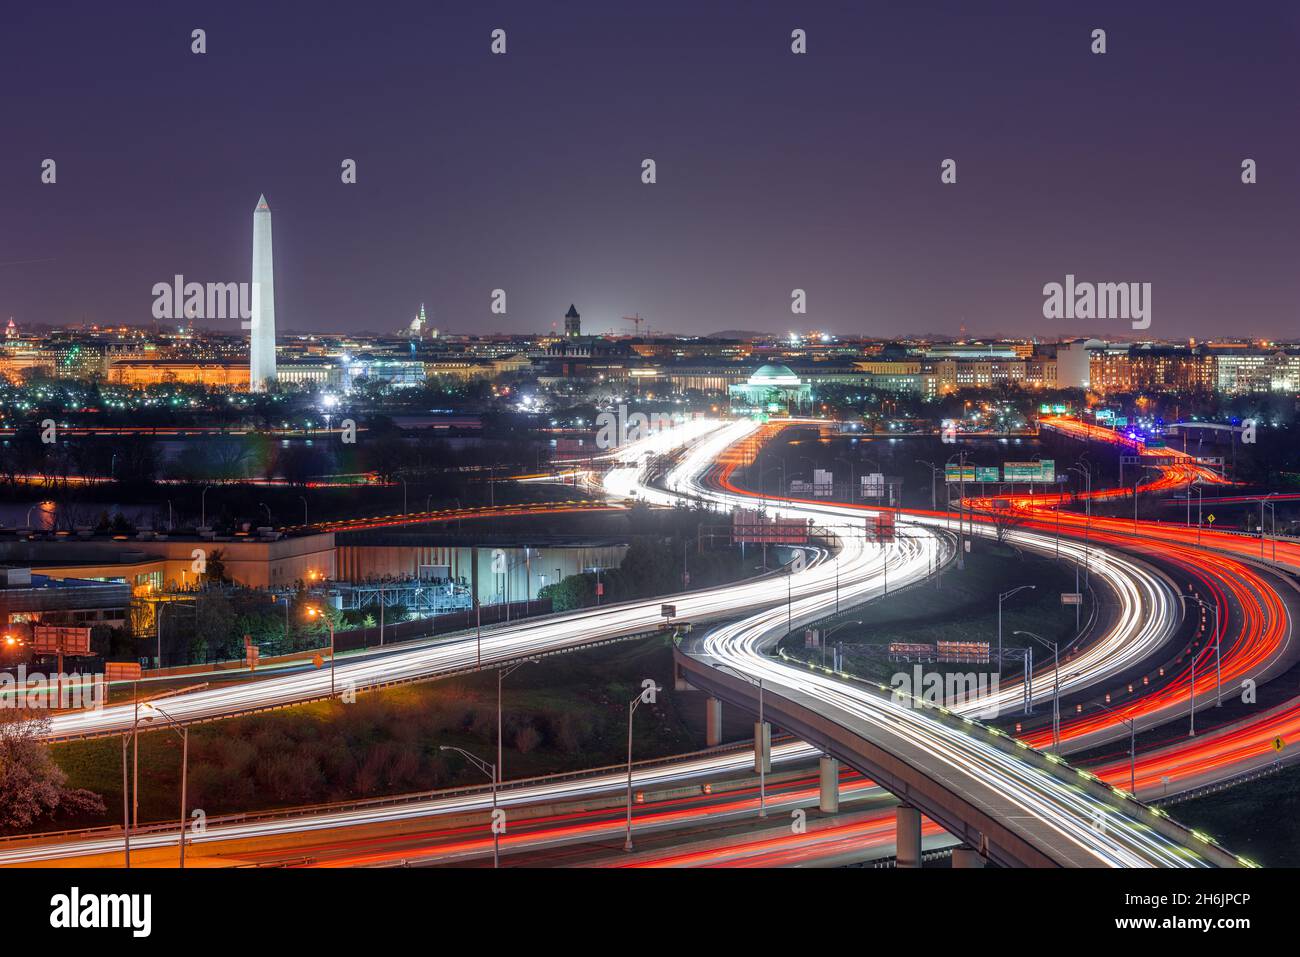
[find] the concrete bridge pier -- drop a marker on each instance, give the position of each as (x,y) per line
(966,856)
(907,829)
(713,722)
(762,747)
(679,679)
(830,782)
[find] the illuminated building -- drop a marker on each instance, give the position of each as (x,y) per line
(773,388)
(572,323)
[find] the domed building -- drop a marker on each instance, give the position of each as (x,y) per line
(773,388)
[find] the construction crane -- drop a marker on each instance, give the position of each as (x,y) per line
(636,322)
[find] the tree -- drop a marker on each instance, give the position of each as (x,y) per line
(32,786)
(572,591)
(214,568)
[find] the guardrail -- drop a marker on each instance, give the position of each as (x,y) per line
(365,804)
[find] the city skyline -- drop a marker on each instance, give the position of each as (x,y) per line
(844,437)
(775,172)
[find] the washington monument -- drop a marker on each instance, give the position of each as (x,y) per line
(261,344)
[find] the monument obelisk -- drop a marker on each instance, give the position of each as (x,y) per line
(261,340)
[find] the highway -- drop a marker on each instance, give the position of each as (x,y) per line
(512,641)
(861,575)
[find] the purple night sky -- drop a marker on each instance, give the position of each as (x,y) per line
(775,171)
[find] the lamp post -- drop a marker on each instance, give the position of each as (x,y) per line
(849,463)
(1272,511)
(934,471)
(961,505)
(315,612)
(646,697)
(1199,500)
(491,771)
(1137,484)
(1001,598)
(1218,641)
(789,596)
(830,631)
(203,505)
(1087,522)
(275,599)
(762,477)
(1132,746)
(1056,685)
(126,806)
(478,633)
(158,628)
(184,731)
(128,789)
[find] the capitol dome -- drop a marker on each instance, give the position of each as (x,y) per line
(774,375)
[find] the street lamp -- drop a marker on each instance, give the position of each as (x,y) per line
(158,628)
(762,479)
(825,640)
(1001,598)
(1272,510)
(1199,500)
(789,596)
(184,731)
(1137,484)
(526,561)
(314,612)
(1132,746)
(1087,522)
(128,796)
(491,771)
(934,471)
(1056,685)
(1218,641)
(961,504)
(646,697)
(849,463)
(203,506)
(478,633)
